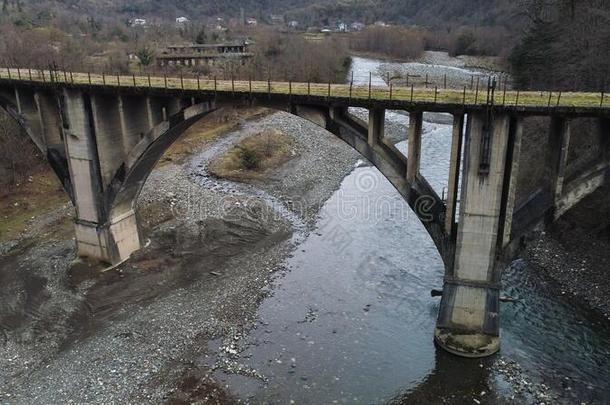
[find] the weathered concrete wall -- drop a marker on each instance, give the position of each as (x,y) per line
(586,146)
(414,149)
(26,104)
(376,126)
(135,121)
(92,238)
(156,111)
(146,153)
(109,135)
(49,116)
(454,172)
(514,168)
(82,157)
(468,320)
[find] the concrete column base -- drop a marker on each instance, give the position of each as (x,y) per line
(110,243)
(471,345)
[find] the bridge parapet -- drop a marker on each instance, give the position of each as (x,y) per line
(388,97)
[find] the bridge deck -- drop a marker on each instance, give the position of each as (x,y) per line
(532,101)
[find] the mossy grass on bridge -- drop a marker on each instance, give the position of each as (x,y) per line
(429,95)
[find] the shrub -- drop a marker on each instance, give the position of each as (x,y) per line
(253,156)
(250,159)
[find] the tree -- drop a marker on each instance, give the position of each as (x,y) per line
(18,155)
(566,46)
(201,37)
(146,56)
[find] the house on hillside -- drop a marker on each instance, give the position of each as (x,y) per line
(138,22)
(342,27)
(182,21)
(251,21)
(293,24)
(358,26)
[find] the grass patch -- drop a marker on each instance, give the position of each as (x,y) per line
(35,197)
(252,157)
(210,128)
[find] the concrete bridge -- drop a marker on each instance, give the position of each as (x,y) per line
(104,134)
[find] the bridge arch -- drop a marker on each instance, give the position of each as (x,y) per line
(130,178)
(110,136)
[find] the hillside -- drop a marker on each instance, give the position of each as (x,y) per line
(419,12)
(320,12)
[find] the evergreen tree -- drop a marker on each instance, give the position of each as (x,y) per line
(201,36)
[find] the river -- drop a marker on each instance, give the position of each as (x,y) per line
(352,320)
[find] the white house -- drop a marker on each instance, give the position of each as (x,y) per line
(358,26)
(138,22)
(180,21)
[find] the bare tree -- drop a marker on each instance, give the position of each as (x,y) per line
(18,155)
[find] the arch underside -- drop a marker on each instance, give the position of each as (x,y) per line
(423,200)
(539,207)
(54,153)
(129,181)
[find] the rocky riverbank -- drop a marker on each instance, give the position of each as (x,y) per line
(131,334)
(575,252)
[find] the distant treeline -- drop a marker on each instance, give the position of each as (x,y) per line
(409,43)
(395,42)
(291,57)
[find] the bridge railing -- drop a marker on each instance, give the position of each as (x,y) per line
(480,95)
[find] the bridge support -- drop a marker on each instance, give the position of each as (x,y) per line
(376,126)
(468,323)
(559,144)
(454,173)
(99,235)
(414,149)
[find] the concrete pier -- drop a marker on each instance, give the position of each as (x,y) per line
(454,172)
(91,161)
(468,322)
(376,126)
(414,141)
(559,142)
